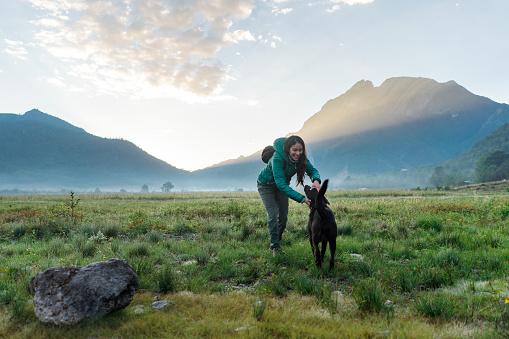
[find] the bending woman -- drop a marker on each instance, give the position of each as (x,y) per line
(274,184)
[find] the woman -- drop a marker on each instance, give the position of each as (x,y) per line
(274,184)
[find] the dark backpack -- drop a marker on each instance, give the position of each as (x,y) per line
(267,153)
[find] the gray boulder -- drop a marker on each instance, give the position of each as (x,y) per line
(68,295)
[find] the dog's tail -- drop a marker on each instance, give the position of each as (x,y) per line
(321,200)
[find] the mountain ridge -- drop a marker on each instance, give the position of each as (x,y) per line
(427,122)
(403,123)
(41,148)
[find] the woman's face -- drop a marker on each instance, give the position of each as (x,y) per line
(296,151)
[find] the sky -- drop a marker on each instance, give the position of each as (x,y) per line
(197,82)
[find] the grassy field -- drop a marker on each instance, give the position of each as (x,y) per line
(416,264)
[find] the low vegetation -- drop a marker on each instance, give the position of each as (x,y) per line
(408,264)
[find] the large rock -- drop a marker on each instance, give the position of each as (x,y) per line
(67,295)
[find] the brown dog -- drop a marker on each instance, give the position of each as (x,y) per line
(322,225)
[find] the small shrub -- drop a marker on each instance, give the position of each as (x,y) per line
(430,222)
(115,247)
(78,242)
(249,273)
(505,212)
(56,247)
(98,238)
(154,237)
(183,229)
(402,230)
(323,292)
(202,256)
(19,231)
(246,229)
(435,305)
(494,264)
(166,280)
(87,230)
(363,268)
(18,304)
(369,296)
(89,249)
(448,257)
(278,285)
(304,285)
(406,280)
(224,231)
(138,250)
(6,295)
(142,266)
(259,308)
(450,239)
(139,222)
(494,241)
(111,231)
(345,228)
(235,208)
(433,277)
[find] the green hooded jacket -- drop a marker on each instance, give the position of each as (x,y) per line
(281,168)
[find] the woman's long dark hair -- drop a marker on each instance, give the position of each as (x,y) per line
(302,163)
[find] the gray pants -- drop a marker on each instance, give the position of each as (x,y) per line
(276,204)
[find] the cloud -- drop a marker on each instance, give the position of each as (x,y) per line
(271,40)
(120,46)
(283,11)
(333,9)
(16,49)
(336,7)
(352,2)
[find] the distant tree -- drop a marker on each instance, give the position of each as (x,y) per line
(123,191)
(492,166)
(97,191)
(167,186)
(439,177)
(144,188)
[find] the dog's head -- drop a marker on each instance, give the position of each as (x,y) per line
(312,194)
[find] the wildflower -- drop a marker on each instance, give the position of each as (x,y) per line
(507,301)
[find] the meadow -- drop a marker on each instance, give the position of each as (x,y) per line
(418,264)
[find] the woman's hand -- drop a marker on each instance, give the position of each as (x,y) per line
(307,201)
(316,184)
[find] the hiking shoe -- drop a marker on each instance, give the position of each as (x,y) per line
(277,250)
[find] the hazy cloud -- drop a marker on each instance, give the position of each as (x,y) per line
(271,40)
(352,2)
(283,11)
(16,49)
(333,9)
(336,8)
(120,45)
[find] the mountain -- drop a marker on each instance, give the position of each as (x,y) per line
(457,171)
(403,123)
(40,151)
(496,141)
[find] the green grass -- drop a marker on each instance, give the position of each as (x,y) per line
(440,258)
